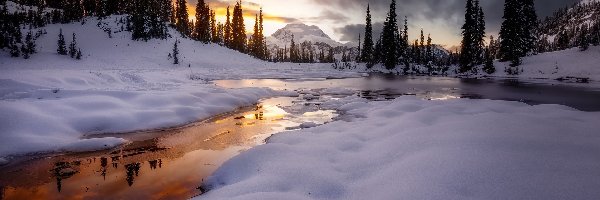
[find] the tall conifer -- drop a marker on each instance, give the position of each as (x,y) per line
(367,50)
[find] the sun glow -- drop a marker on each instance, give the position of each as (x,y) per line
(271,22)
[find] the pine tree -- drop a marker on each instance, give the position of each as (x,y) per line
(78,56)
(293,56)
(202,28)
(469,51)
(389,51)
(176,53)
(181,15)
(238,29)
(489,57)
(14,49)
(422,52)
(62,48)
(254,39)
(429,50)
(227,31)
(214,33)
(582,39)
(479,34)
(529,26)
(30,43)
(510,35)
(73,47)
(367,50)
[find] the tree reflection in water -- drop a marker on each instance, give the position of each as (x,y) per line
(133,168)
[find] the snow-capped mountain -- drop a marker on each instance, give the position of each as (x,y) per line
(301,33)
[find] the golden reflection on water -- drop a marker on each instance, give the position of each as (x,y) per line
(169,167)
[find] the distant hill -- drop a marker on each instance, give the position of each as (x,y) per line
(565,27)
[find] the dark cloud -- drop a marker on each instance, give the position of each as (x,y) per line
(449,11)
(333,16)
(351,32)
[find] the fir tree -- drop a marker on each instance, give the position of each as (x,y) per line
(227,31)
(73,47)
(582,39)
(529,26)
(422,53)
(238,29)
(30,43)
(176,53)
(14,49)
(389,50)
(489,57)
(510,35)
(473,32)
(78,56)
(181,15)
(62,48)
(214,33)
(202,28)
(367,50)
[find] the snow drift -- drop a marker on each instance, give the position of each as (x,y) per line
(418,149)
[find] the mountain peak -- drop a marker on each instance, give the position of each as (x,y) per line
(299,30)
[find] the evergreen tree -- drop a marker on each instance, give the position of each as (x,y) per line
(73,47)
(238,29)
(429,50)
(227,31)
(510,35)
(176,53)
(14,49)
(422,52)
(389,50)
(202,28)
(472,37)
(62,48)
(529,26)
(367,50)
(78,56)
(293,56)
(480,34)
(30,43)
(214,33)
(181,15)
(489,57)
(582,39)
(254,39)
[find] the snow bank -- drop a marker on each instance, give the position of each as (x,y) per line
(55,120)
(418,149)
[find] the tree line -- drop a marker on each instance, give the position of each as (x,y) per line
(146,19)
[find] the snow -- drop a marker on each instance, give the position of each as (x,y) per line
(418,149)
(49,102)
(560,64)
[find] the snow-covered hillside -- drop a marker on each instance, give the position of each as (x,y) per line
(560,64)
(49,101)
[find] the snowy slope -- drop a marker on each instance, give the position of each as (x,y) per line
(417,149)
(48,102)
(560,64)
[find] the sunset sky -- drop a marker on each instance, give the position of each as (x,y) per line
(343,20)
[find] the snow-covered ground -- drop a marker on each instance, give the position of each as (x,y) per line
(560,64)
(48,102)
(417,149)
